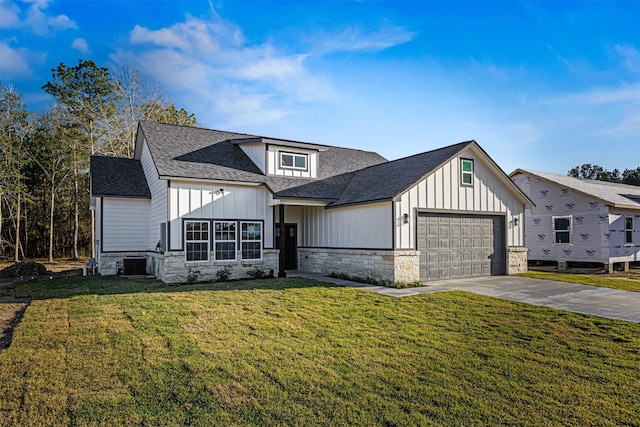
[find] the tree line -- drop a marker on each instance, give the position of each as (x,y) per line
(44,156)
(589,171)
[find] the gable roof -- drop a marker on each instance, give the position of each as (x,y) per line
(345,176)
(118,177)
(197,153)
(610,193)
(387,180)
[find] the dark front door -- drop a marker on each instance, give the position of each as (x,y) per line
(290,245)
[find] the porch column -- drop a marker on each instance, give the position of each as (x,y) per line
(281,244)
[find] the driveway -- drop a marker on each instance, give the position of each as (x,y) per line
(603,302)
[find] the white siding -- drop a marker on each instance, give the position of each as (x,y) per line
(158,189)
(257,154)
(442,190)
(366,226)
(206,201)
(125,224)
(273,162)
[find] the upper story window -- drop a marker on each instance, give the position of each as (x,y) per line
(562,229)
(466,171)
(628,230)
(293,161)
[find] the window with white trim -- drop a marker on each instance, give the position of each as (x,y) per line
(196,239)
(466,171)
(251,240)
(224,240)
(562,229)
(628,230)
(293,161)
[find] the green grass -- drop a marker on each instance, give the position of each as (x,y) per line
(107,351)
(584,279)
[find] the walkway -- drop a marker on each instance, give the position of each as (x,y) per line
(603,302)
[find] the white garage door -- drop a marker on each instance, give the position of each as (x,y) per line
(455,246)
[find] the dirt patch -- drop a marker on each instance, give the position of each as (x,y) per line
(11,311)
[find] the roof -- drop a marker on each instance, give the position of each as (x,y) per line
(118,177)
(613,194)
(345,176)
(197,153)
(375,183)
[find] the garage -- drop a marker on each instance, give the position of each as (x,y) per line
(456,246)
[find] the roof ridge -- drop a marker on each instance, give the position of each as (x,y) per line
(585,180)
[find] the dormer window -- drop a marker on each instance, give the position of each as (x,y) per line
(293,161)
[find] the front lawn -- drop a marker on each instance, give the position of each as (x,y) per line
(107,351)
(602,280)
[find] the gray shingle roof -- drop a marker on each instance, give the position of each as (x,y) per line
(617,195)
(186,152)
(345,176)
(114,176)
(386,180)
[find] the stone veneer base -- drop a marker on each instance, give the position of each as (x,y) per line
(393,266)
(517,260)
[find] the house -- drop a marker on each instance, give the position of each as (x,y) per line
(200,199)
(580,220)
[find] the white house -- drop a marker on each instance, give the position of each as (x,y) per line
(580,220)
(203,199)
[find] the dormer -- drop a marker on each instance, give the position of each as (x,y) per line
(282,157)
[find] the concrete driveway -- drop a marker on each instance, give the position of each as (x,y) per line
(603,302)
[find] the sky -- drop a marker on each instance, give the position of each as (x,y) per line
(539,85)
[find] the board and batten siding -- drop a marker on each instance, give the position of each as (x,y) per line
(257,153)
(206,201)
(442,191)
(125,224)
(361,227)
(158,189)
(273,162)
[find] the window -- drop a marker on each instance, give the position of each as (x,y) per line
(293,161)
(251,240)
(224,238)
(466,170)
(562,229)
(628,230)
(197,240)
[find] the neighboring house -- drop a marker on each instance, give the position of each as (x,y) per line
(580,220)
(203,199)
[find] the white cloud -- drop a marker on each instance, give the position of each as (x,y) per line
(9,15)
(355,39)
(623,94)
(630,57)
(15,62)
(81,46)
(210,64)
(37,18)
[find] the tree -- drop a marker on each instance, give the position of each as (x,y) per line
(87,92)
(14,129)
(136,99)
(49,149)
(631,176)
(589,171)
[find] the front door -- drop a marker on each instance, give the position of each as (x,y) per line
(290,245)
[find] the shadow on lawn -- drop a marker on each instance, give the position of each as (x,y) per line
(67,287)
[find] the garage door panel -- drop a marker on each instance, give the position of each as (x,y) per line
(456,246)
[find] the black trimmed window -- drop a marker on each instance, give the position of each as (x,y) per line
(466,171)
(196,240)
(251,240)
(628,230)
(562,229)
(293,161)
(224,240)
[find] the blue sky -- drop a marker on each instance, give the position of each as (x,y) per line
(540,85)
